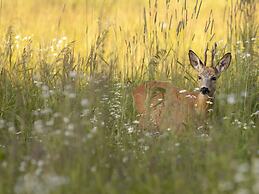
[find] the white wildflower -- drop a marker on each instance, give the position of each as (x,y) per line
(94,130)
(38,126)
(130,129)
(22,166)
(125,159)
(17,37)
(146,148)
(225,186)
(135,122)
(177,144)
(239,177)
(50,122)
(243,168)
(66,120)
(70,127)
(93,169)
(40,184)
(84,102)
(182,91)
(231,99)
(164,25)
(72,74)
(256,113)
(2,123)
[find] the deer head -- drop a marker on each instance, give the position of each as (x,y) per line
(207,76)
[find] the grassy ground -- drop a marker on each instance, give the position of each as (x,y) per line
(67,120)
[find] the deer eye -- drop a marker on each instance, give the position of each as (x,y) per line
(199,77)
(214,78)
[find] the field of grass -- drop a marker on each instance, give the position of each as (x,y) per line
(67,118)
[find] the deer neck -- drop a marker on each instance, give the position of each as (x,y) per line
(204,103)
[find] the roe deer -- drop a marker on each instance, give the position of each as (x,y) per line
(163,106)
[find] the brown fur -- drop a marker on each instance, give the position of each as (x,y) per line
(172,109)
(163,106)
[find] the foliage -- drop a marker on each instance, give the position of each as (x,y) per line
(67,119)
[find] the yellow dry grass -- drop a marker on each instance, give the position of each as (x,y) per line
(84,20)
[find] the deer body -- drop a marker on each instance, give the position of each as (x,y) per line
(171,109)
(162,105)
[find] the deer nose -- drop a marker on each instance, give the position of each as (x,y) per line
(204,90)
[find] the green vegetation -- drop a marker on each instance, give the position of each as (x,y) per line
(67,119)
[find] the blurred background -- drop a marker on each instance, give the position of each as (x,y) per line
(67,118)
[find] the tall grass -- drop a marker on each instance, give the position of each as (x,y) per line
(67,119)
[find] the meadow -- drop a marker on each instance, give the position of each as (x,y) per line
(67,118)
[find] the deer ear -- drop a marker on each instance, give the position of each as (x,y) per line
(195,61)
(224,63)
